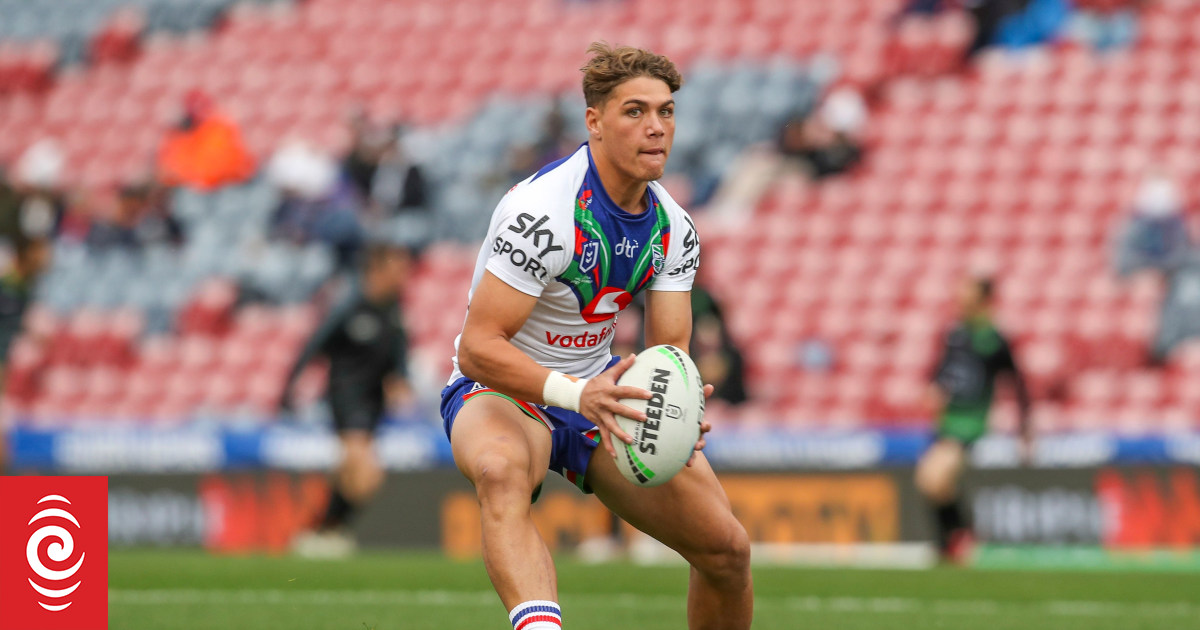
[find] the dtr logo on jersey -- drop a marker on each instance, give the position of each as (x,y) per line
(54,552)
(626,248)
(606,305)
(589,256)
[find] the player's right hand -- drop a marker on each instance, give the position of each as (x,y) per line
(600,402)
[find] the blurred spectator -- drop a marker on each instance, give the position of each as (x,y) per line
(1105,24)
(119,40)
(137,216)
(205,150)
(716,355)
(1039,22)
(1155,234)
(31,207)
(989,15)
(316,204)
(819,144)
(1179,318)
(927,7)
(389,183)
(367,347)
(827,142)
(398,185)
(400,192)
(16,292)
(975,354)
(1155,238)
(380,170)
(368,143)
(1009,23)
(555,141)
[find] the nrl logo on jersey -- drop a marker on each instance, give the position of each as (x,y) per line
(658,258)
(589,255)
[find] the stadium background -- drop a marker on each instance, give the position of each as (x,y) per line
(161,363)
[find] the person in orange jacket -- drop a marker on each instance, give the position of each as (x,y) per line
(205,150)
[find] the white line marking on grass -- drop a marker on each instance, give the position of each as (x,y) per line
(876,605)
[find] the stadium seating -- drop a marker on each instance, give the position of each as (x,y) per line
(1020,166)
(1007,171)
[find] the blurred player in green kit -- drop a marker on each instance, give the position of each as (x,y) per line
(974,356)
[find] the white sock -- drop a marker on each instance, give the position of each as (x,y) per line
(536,615)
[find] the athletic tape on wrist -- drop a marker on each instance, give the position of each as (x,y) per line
(561,391)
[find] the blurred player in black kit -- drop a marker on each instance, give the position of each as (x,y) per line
(16,294)
(364,340)
(974,355)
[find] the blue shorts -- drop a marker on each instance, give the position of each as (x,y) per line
(573,437)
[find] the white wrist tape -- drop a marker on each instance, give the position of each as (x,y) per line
(561,391)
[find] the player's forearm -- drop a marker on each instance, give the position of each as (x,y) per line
(498,364)
(679,341)
(669,319)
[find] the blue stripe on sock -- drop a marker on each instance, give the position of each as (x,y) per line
(536,609)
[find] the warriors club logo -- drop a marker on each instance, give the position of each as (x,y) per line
(54,553)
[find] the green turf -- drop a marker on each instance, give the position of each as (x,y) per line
(193,591)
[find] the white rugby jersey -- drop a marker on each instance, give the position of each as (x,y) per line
(559,237)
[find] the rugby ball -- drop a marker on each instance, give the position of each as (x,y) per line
(664,442)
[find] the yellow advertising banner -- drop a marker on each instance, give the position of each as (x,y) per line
(842,508)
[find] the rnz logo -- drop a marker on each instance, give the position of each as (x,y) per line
(54,586)
(54,553)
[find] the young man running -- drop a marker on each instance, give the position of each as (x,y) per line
(534,386)
(366,344)
(975,355)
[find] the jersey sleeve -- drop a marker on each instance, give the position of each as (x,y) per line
(527,249)
(682,256)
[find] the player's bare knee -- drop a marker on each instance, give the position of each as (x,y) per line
(500,482)
(726,561)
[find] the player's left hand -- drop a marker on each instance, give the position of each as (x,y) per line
(705,427)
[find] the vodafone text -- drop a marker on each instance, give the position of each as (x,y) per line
(582,340)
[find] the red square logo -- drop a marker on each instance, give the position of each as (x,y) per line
(54,553)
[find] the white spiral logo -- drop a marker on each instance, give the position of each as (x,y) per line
(58,551)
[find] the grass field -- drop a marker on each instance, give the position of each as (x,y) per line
(190,590)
